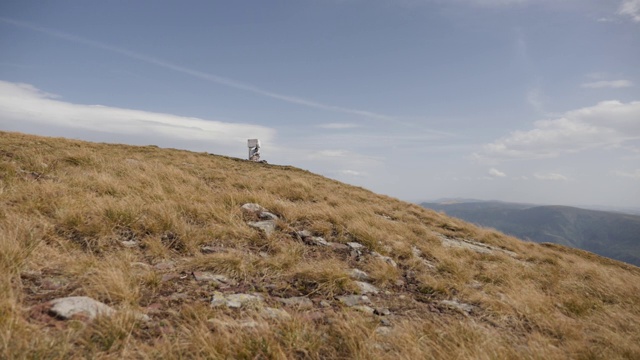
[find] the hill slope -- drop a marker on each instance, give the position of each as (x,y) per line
(614,235)
(169,249)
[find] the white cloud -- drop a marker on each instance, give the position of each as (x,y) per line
(607,124)
(22,106)
(630,8)
(550,177)
(535,99)
(337,126)
(330,153)
(496,173)
(614,84)
(351,173)
(633,175)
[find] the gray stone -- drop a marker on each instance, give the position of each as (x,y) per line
(364,308)
(235,300)
(265,215)
(253,208)
(316,240)
(383,330)
(273,313)
(300,302)
(211,277)
(385,322)
(382,311)
(268,226)
(354,300)
(386,259)
(357,274)
(129,243)
(355,246)
(473,246)
(455,305)
(83,306)
(366,288)
(304,233)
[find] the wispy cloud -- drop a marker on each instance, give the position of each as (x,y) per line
(23,104)
(351,173)
(633,175)
(337,126)
(614,84)
(496,173)
(607,124)
(630,8)
(198,74)
(550,176)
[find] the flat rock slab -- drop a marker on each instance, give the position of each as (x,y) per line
(355,246)
(214,278)
(316,241)
(82,307)
(358,274)
(300,302)
(386,259)
(354,300)
(268,226)
(366,288)
(253,208)
(474,246)
(455,305)
(273,313)
(235,300)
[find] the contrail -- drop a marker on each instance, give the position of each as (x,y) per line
(195,73)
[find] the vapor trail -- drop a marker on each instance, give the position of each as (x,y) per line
(195,73)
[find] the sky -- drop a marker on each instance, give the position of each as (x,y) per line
(532,101)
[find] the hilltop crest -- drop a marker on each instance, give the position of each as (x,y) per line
(116,251)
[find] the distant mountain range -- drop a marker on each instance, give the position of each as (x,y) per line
(612,234)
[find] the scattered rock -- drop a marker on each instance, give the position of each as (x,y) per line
(473,246)
(235,300)
(357,274)
(338,246)
(354,300)
(273,313)
(382,311)
(355,246)
(300,302)
(325,304)
(364,308)
(214,278)
(253,208)
(53,283)
(316,240)
(386,259)
(265,215)
(129,243)
(455,305)
(385,322)
(81,307)
(366,288)
(268,226)
(383,330)
(304,234)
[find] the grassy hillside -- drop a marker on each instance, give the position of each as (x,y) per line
(160,236)
(614,235)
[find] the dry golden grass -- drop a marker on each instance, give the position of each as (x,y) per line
(67,206)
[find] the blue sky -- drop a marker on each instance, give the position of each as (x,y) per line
(515,100)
